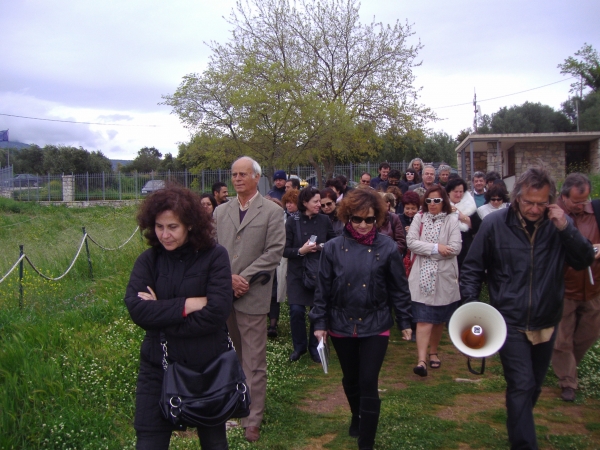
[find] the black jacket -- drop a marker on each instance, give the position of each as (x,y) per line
(194,340)
(525,277)
(357,287)
(320,226)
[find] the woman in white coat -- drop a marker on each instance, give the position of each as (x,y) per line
(434,239)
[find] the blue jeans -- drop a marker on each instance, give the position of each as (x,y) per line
(298,328)
(525,366)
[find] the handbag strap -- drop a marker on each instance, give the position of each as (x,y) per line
(163,344)
(298,231)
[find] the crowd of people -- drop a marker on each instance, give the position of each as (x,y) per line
(408,248)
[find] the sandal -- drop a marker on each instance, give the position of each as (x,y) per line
(421,370)
(434,364)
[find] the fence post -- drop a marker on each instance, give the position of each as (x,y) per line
(120,196)
(186,177)
(87,250)
(103,190)
(48,186)
(203,181)
(87,186)
(21,277)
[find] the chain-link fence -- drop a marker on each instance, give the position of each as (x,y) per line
(122,186)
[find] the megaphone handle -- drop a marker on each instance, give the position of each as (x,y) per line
(473,371)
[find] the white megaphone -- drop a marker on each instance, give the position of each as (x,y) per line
(477,330)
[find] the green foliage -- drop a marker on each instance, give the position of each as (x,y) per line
(589,111)
(149,159)
(300,82)
(55,160)
(585,66)
(526,118)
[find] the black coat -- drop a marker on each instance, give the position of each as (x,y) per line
(358,286)
(525,278)
(320,226)
(194,340)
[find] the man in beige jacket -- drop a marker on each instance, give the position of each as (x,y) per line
(251,230)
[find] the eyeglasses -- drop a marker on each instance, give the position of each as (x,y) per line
(410,174)
(496,199)
(583,203)
(326,205)
(529,204)
(437,201)
(365,181)
(358,220)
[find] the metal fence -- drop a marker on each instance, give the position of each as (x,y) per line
(121,186)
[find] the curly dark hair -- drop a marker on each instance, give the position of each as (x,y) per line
(305,195)
(446,206)
(360,200)
(186,205)
(329,193)
(454,183)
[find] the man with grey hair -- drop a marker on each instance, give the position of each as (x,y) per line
(524,249)
(251,230)
(428,178)
(478,191)
(443,174)
(580,325)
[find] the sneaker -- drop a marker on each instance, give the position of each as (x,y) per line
(568,394)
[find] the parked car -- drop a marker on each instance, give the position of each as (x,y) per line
(153,185)
(24,180)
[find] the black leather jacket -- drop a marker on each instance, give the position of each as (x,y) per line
(357,287)
(525,273)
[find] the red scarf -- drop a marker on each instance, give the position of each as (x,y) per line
(364,239)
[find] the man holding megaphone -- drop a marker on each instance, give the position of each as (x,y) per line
(523,249)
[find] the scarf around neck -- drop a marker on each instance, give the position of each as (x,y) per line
(432,225)
(364,239)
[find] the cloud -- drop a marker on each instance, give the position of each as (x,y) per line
(114,117)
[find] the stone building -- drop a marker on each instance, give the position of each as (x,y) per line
(512,154)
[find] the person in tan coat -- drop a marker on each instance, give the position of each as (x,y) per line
(434,239)
(251,229)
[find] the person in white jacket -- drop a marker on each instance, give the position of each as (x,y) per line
(434,239)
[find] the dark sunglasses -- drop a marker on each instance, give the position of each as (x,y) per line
(368,220)
(326,205)
(437,201)
(365,181)
(496,199)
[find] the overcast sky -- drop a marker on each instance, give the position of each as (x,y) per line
(110,61)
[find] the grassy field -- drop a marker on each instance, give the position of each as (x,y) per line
(69,357)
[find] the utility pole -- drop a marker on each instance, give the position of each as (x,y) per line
(475,111)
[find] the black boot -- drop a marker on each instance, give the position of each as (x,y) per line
(353,396)
(369,418)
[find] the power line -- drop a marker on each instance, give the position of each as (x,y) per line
(83,123)
(507,95)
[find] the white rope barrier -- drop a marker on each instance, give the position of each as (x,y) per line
(85,236)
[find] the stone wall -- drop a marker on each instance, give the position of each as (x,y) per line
(550,155)
(480,160)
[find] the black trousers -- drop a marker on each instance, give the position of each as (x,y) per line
(361,360)
(211,438)
(525,366)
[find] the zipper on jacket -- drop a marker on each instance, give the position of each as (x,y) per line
(354,333)
(531,239)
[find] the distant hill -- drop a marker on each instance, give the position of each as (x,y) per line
(123,162)
(13,144)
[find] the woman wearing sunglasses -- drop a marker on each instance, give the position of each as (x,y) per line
(411,176)
(329,208)
(361,278)
(434,239)
(496,198)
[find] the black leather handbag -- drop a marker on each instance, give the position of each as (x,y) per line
(208,398)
